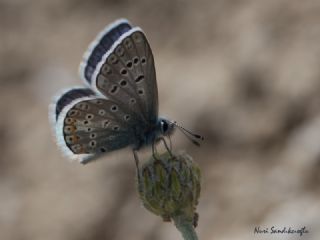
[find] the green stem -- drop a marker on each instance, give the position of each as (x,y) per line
(185,227)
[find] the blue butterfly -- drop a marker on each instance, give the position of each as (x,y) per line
(119,108)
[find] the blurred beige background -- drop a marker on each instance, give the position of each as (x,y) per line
(245,74)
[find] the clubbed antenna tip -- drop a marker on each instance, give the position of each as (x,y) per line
(190,135)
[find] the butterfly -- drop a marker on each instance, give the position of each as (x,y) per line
(119,106)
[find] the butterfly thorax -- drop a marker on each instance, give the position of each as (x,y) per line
(153,132)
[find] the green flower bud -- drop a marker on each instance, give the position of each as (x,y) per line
(169,186)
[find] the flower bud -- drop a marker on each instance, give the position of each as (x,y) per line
(169,186)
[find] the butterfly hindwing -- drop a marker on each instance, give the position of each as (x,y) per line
(96,126)
(66,97)
(90,126)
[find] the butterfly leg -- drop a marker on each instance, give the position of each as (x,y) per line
(166,145)
(170,142)
(136,159)
(154,151)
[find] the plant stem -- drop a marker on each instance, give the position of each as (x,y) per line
(185,227)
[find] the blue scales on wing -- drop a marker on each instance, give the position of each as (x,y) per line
(68,96)
(100,46)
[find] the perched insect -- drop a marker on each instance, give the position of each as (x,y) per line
(119,107)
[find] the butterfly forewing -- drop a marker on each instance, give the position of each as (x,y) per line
(147,80)
(103,42)
(127,76)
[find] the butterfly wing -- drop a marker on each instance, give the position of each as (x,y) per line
(89,126)
(126,74)
(65,97)
(118,65)
(103,42)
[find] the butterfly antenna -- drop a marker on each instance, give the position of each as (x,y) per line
(190,135)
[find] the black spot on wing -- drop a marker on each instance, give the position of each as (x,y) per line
(69,96)
(103,46)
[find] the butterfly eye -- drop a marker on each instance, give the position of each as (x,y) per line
(164,126)
(143,60)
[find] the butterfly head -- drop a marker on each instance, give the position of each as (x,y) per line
(166,126)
